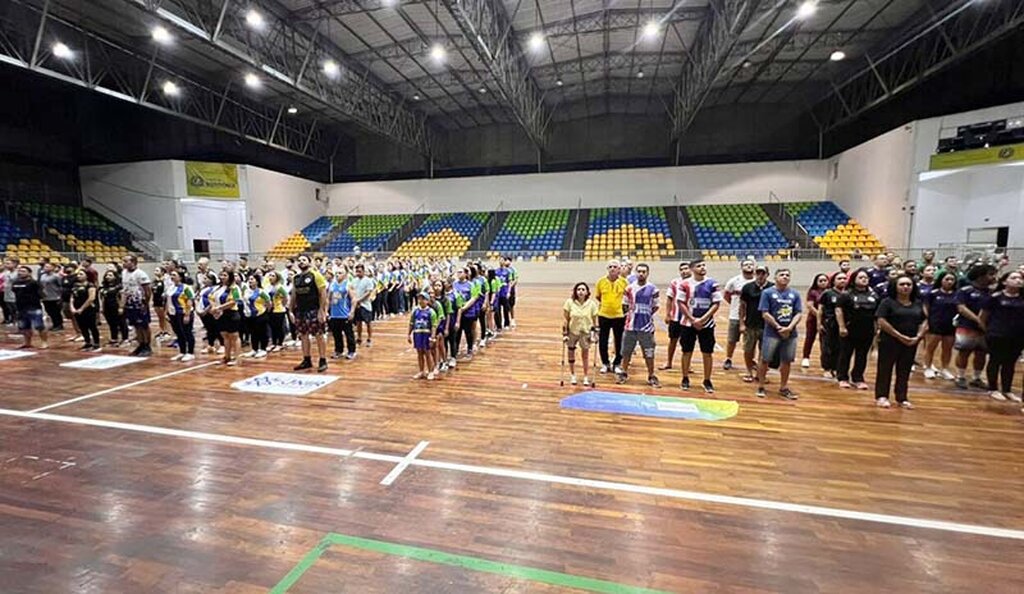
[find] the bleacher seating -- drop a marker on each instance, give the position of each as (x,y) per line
(10,233)
(370,233)
(736,230)
(833,230)
(81,230)
(301,241)
(444,234)
(634,232)
(31,251)
(531,234)
(319,228)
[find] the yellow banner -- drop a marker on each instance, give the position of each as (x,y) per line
(982,156)
(212,180)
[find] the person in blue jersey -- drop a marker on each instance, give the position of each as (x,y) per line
(902,324)
(698,322)
(226,300)
(878,275)
(422,322)
(439,302)
(970,335)
(467,296)
(494,282)
(503,318)
(781,308)
(339,294)
(640,303)
(484,305)
(1002,317)
(256,309)
(207,283)
(181,301)
(940,306)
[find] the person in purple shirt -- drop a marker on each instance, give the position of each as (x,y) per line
(699,323)
(639,303)
(1002,316)
(970,331)
(940,307)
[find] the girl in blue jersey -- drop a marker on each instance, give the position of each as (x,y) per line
(339,294)
(180,305)
(256,312)
(422,322)
(437,301)
(203,305)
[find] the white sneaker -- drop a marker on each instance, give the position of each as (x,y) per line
(177,357)
(572,379)
(946,375)
(431,376)
(513,324)
(261,354)
(1012,397)
(604,369)
(250,354)
(220,350)
(883,403)
(995,395)
(419,375)
(929,373)
(586,381)
(188,357)
(618,370)
(805,363)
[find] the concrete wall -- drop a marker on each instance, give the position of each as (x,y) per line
(951,202)
(279,205)
(147,193)
(749,182)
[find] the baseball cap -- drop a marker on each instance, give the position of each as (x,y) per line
(760,268)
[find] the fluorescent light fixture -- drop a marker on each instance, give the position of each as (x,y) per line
(806,9)
(161,35)
(252,81)
(170,89)
(537,41)
(254,19)
(331,68)
(837,56)
(559,83)
(483,90)
(438,53)
(416,97)
(640,74)
(652,28)
(293,110)
(62,51)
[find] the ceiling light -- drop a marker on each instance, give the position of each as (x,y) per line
(62,51)
(438,53)
(331,68)
(293,110)
(747,63)
(252,80)
(537,41)
(170,89)
(652,28)
(416,97)
(806,9)
(559,83)
(837,56)
(254,19)
(161,34)
(640,74)
(389,3)
(483,90)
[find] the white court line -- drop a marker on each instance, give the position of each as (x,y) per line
(397,470)
(765,504)
(124,387)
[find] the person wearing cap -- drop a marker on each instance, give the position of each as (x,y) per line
(611,320)
(781,308)
(422,323)
(731,293)
(751,322)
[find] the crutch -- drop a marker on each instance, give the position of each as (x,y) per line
(593,354)
(561,373)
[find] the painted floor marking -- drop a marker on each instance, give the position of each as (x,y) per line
(124,387)
(512,473)
(401,466)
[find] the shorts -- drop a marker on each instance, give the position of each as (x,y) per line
(306,322)
(230,322)
(630,340)
(675,330)
(363,315)
(734,331)
(690,337)
(31,318)
(942,329)
(784,348)
(137,317)
(442,325)
(421,341)
(512,298)
(970,340)
(752,338)
(582,339)
(159,302)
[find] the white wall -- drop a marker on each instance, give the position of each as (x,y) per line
(221,220)
(143,192)
(748,182)
(871,183)
(951,202)
(279,205)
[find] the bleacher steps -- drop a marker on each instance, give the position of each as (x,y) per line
(576,232)
(788,226)
(400,236)
(336,231)
(681,227)
(489,232)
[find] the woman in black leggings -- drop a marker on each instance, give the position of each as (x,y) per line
(110,304)
(83,307)
(1002,318)
(902,323)
(855,318)
(828,303)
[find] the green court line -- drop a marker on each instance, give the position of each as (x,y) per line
(553,578)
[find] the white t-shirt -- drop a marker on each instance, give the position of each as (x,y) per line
(733,288)
(132,284)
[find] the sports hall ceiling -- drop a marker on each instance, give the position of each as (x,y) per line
(415,72)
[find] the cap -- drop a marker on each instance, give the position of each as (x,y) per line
(760,268)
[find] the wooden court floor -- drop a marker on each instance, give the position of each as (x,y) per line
(180,483)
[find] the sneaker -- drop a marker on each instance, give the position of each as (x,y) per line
(95,348)
(250,354)
(760,392)
(728,365)
(145,352)
(805,363)
(961,382)
(419,376)
(220,350)
(828,375)
(861,386)
(177,357)
(652,381)
(572,380)
(335,355)
(452,363)
(431,376)
(996,395)
(604,369)
(882,403)
(188,357)
(930,373)
(322,366)
(748,379)
(787,394)
(261,354)
(620,378)
(1012,397)
(709,388)
(906,404)
(685,384)
(844,385)
(350,356)
(369,343)
(977,383)
(232,363)
(85,347)
(586,381)
(513,324)
(306,364)
(618,369)
(947,375)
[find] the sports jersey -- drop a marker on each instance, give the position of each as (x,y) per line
(464,292)
(132,283)
(307,287)
(941,309)
(231,296)
(703,295)
(180,299)
(641,302)
(257,302)
(782,305)
(279,297)
(423,320)
(973,298)
(505,276)
(341,302)
(1005,315)
(611,296)
(678,299)
(733,287)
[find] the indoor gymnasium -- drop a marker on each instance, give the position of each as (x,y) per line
(454,296)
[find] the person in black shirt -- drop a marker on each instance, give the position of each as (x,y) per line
(67,284)
(309,313)
(1002,317)
(940,307)
(28,299)
(110,304)
(83,307)
(855,318)
(903,324)
(751,320)
(828,302)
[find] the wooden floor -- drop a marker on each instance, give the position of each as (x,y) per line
(98,496)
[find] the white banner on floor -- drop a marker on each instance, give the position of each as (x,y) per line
(5,354)
(284,384)
(102,362)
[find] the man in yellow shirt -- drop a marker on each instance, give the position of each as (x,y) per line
(610,317)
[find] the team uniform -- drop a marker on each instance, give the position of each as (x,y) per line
(733,288)
(307,286)
(969,336)
(421,324)
(678,295)
(640,301)
(782,305)
(703,295)
(180,301)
